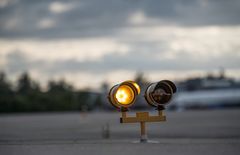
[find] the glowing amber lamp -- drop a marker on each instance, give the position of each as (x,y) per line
(124,94)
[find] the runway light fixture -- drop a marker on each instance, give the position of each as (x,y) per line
(160,93)
(124,94)
(157,94)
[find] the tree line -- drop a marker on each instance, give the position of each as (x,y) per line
(26,95)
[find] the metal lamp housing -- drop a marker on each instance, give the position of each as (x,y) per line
(160,93)
(124,95)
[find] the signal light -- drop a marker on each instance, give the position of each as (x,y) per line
(157,94)
(160,93)
(124,94)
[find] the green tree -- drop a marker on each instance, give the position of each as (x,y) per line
(6,94)
(26,85)
(28,94)
(61,96)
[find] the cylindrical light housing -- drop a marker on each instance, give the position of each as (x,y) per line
(123,95)
(160,93)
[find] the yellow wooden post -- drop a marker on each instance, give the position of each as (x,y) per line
(143,132)
(124,114)
(160,112)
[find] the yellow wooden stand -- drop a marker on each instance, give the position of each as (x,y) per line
(142,118)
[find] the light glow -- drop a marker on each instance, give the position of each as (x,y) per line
(124,95)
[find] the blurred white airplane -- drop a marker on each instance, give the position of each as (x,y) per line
(207,98)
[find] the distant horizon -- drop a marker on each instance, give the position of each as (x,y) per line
(43,84)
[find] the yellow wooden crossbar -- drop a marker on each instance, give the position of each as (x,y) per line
(142,118)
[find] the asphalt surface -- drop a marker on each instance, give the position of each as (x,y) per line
(189,132)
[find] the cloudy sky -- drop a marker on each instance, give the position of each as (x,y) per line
(87,42)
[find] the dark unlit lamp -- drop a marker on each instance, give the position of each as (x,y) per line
(158,94)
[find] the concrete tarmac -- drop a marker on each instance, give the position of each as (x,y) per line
(188,132)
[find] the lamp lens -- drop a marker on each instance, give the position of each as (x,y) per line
(125,95)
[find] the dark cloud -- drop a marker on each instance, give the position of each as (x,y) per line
(195,12)
(90,18)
